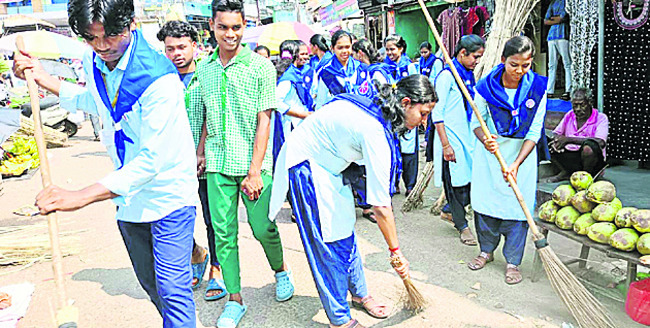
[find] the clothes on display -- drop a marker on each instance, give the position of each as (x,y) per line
(583,38)
(459,21)
(626,88)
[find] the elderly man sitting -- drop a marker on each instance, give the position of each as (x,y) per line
(579,141)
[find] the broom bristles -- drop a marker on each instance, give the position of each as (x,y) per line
(415,302)
(585,308)
(414,200)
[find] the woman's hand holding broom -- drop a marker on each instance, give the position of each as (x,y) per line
(400,263)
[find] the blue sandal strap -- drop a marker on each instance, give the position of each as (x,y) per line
(215,284)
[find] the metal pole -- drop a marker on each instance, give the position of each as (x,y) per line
(259,17)
(601,53)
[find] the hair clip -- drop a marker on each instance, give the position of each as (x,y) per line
(394,86)
(286,55)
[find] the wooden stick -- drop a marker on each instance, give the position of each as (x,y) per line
(52,218)
(488,135)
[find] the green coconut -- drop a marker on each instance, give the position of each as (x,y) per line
(606,212)
(601,231)
(548,211)
(565,217)
(581,180)
(624,239)
(582,224)
(643,244)
(641,220)
(579,202)
(623,218)
(562,195)
(601,192)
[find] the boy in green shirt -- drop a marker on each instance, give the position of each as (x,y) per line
(238,97)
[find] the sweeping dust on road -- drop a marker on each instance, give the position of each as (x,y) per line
(101,281)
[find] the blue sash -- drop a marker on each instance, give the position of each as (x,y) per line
(383,68)
(470,81)
(400,69)
(145,66)
(512,122)
(426,65)
(373,109)
(308,75)
(319,63)
(333,70)
(299,82)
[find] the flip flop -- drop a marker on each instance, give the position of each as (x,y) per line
(198,270)
(231,315)
(284,286)
(370,216)
(215,284)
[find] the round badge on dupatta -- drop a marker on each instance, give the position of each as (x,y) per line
(530,103)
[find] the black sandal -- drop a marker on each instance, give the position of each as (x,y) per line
(370,216)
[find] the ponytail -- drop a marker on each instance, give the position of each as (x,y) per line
(418,88)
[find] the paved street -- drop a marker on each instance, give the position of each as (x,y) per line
(104,288)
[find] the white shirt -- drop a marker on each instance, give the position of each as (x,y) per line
(330,139)
(159,172)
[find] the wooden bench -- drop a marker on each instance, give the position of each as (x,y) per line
(632,258)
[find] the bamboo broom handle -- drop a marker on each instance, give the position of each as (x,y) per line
(463,89)
(52,218)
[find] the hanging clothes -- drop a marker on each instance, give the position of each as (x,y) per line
(483,19)
(450,20)
(470,19)
(626,88)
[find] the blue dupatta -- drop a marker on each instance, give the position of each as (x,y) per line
(368,105)
(512,122)
(470,81)
(333,70)
(426,65)
(400,69)
(145,66)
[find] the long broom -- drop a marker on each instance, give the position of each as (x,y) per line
(67,315)
(585,308)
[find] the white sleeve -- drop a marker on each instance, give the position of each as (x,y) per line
(481,105)
(322,94)
(282,92)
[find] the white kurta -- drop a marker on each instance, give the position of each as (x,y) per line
(330,139)
(450,110)
(490,194)
(288,100)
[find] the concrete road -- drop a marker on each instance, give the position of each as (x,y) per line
(104,288)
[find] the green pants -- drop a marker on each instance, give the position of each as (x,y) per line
(224,191)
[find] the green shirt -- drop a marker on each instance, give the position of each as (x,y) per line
(231,97)
(196,113)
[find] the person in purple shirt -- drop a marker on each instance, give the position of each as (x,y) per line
(579,141)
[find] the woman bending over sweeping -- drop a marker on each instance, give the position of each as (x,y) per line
(512,101)
(312,167)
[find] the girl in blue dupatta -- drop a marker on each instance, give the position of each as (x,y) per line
(401,66)
(454,144)
(294,100)
(429,64)
(512,101)
(341,73)
(320,50)
(364,52)
(311,168)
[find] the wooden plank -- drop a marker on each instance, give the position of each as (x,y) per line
(632,257)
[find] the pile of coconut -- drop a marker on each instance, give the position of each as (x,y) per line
(592,208)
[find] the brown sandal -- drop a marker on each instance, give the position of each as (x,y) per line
(354,324)
(467,237)
(373,311)
(513,276)
(479,262)
(446,217)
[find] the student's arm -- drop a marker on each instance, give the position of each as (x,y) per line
(443,89)
(491,145)
(531,139)
(287,97)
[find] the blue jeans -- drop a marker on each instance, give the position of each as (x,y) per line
(336,266)
(160,252)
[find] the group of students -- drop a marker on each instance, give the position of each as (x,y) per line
(349,122)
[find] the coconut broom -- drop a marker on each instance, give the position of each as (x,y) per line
(67,315)
(585,308)
(414,199)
